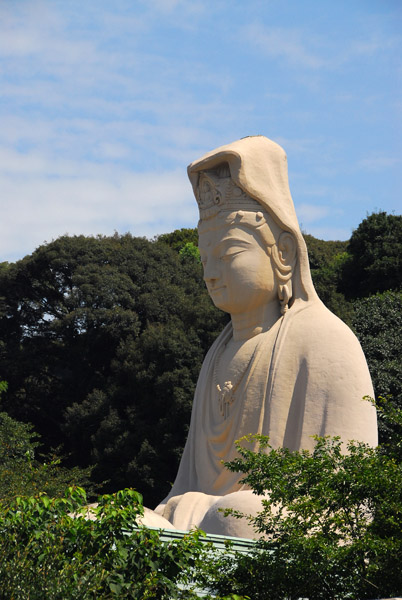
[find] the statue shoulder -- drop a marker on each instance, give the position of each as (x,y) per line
(319,333)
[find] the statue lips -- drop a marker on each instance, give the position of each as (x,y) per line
(216,293)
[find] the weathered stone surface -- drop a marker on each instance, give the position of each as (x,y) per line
(285,366)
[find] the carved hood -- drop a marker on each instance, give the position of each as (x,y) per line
(259,167)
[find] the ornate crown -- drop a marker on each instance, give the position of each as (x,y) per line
(217,191)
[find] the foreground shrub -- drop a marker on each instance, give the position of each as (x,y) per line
(332,525)
(50,550)
(25,472)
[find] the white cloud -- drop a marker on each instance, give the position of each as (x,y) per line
(330,233)
(183,14)
(300,145)
(309,213)
(286,43)
(172,5)
(310,49)
(104,104)
(379,163)
(51,198)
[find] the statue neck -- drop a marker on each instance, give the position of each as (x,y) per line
(255,321)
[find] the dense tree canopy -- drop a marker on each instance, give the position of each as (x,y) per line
(378,325)
(375,256)
(103,341)
(326,264)
(25,472)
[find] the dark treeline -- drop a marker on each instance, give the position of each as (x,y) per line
(102,340)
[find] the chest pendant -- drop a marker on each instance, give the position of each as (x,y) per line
(226,397)
(226,394)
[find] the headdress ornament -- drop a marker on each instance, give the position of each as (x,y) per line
(216,191)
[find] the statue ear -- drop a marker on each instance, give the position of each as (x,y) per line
(285,253)
(287,249)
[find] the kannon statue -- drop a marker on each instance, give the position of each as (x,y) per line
(284,366)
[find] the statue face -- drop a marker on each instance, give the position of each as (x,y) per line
(237,268)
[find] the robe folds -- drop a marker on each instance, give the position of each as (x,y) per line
(307,377)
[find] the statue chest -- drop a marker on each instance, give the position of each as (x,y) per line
(230,371)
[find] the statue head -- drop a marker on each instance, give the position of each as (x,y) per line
(243,195)
(247,258)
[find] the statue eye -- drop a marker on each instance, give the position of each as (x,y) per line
(231,253)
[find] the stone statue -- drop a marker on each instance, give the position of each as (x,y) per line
(284,366)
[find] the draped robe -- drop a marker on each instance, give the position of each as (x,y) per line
(307,377)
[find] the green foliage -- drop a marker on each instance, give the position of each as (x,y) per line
(190,251)
(332,524)
(22,474)
(369,263)
(378,325)
(51,551)
(179,238)
(327,261)
(391,415)
(375,250)
(103,342)
(321,252)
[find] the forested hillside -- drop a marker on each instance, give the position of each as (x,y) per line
(102,340)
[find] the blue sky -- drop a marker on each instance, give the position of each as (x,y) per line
(103,104)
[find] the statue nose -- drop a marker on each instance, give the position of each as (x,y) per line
(211,272)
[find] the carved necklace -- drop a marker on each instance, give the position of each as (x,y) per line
(227,392)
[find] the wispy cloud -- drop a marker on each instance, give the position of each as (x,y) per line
(308,145)
(104,104)
(330,233)
(289,44)
(379,163)
(304,47)
(181,8)
(53,198)
(309,213)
